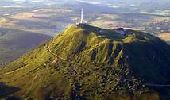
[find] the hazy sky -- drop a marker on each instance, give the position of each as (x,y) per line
(105,1)
(97,0)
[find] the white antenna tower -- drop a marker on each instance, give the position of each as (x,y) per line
(82,16)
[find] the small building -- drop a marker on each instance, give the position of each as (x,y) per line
(121,31)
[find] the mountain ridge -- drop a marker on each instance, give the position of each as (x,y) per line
(87,62)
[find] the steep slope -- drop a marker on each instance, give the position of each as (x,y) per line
(86,62)
(14,43)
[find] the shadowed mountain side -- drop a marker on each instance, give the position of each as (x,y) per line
(146,57)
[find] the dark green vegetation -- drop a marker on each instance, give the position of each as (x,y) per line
(14,43)
(86,62)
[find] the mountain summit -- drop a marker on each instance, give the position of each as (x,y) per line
(87,62)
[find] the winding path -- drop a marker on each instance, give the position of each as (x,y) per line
(48,49)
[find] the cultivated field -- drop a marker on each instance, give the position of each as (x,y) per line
(165,36)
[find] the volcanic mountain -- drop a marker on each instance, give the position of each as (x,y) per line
(87,62)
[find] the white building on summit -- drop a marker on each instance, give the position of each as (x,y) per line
(121,31)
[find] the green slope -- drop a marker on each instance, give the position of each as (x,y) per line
(86,62)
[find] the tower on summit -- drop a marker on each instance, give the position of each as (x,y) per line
(81,19)
(82,16)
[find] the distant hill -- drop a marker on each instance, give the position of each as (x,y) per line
(87,62)
(14,43)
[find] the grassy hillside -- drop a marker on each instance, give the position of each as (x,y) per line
(14,43)
(86,62)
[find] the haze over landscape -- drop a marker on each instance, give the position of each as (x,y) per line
(118,51)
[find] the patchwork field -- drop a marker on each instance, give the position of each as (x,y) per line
(165,36)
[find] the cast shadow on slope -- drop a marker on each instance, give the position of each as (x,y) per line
(6,92)
(151,62)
